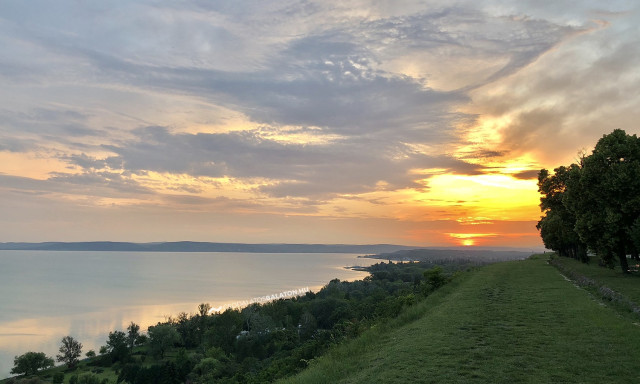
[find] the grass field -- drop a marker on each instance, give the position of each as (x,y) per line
(514,322)
(626,284)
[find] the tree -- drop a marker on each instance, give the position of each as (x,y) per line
(606,197)
(203,309)
(223,330)
(634,233)
(557,226)
(161,338)
(30,363)
(90,353)
(117,346)
(70,350)
(133,333)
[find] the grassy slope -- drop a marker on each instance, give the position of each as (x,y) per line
(515,322)
(627,284)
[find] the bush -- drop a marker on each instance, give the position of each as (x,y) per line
(58,378)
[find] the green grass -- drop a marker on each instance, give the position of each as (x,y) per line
(515,322)
(626,284)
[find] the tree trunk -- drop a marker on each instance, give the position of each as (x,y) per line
(582,254)
(622,255)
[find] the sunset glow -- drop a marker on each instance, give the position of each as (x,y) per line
(418,123)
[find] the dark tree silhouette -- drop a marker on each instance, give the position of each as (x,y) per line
(30,363)
(597,200)
(70,350)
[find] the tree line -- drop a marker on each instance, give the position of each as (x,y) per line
(593,205)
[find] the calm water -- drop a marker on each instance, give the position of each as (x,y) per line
(46,295)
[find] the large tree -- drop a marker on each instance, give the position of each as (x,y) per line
(117,346)
(70,350)
(606,197)
(161,338)
(557,226)
(30,363)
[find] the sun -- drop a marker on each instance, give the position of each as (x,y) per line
(468,242)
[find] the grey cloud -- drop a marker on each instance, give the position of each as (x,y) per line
(527,175)
(328,79)
(94,180)
(38,128)
(11,144)
(96,184)
(84,161)
(321,170)
(223,204)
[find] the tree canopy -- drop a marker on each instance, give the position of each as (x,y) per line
(595,204)
(70,350)
(30,363)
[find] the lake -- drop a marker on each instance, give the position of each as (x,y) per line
(46,295)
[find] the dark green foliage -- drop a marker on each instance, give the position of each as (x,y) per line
(32,380)
(30,363)
(595,204)
(184,364)
(434,278)
(557,226)
(133,334)
(90,353)
(117,346)
(142,339)
(161,338)
(88,378)
(70,350)
(606,198)
(165,373)
(222,330)
(58,378)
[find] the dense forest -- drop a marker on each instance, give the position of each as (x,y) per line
(256,344)
(594,205)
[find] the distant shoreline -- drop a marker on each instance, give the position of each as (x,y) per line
(434,255)
(192,246)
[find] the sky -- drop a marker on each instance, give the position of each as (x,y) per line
(407,122)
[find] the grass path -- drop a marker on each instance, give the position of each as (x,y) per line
(515,322)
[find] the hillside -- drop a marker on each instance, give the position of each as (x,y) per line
(513,322)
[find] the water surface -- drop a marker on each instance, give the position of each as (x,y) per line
(46,295)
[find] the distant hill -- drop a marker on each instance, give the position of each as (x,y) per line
(191,246)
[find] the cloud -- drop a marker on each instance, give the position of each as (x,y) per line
(303,103)
(574,94)
(87,184)
(334,78)
(527,175)
(293,169)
